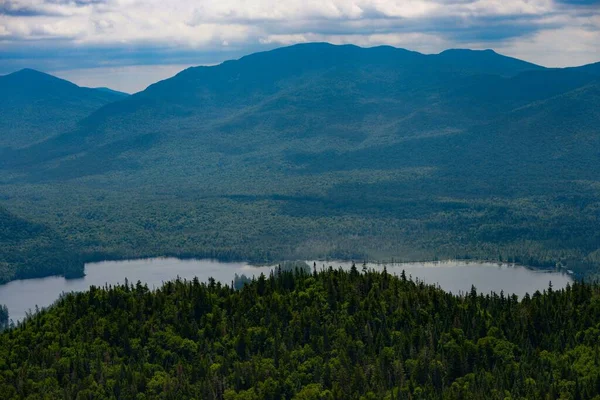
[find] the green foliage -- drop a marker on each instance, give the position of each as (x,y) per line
(4,317)
(302,335)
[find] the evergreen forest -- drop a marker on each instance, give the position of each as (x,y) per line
(326,334)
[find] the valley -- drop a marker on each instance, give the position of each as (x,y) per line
(300,200)
(161,244)
(322,151)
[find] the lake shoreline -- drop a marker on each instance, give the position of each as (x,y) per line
(114,258)
(450,275)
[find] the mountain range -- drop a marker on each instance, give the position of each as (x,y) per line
(329,98)
(316,150)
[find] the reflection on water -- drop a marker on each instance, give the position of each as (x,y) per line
(454,276)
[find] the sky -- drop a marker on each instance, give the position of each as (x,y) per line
(129,44)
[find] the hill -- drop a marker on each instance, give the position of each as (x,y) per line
(318,150)
(35,106)
(327,335)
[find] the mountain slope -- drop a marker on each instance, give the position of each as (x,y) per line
(561,130)
(592,69)
(35,106)
(561,133)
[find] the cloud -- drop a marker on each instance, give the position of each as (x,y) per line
(55,8)
(580,2)
(78,34)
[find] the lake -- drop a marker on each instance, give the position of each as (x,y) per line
(453,276)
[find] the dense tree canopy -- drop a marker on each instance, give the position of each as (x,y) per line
(31,250)
(321,335)
(4,317)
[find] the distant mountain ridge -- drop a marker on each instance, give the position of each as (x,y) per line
(486,61)
(281,89)
(109,90)
(35,106)
(342,151)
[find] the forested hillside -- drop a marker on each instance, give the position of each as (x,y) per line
(29,250)
(315,151)
(326,335)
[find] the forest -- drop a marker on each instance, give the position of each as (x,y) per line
(301,334)
(32,250)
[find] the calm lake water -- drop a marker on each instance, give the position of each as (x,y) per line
(454,276)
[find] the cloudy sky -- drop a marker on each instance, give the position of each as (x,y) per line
(128,44)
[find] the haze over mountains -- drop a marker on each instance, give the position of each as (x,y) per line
(316,150)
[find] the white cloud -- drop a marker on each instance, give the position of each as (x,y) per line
(134,32)
(570,46)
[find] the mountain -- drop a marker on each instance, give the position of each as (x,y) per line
(109,90)
(317,150)
(35,106)
(31,250)
(315,97)
(592,69)
(485,62)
